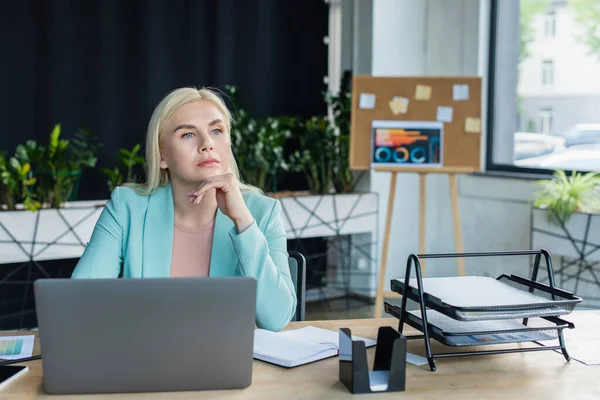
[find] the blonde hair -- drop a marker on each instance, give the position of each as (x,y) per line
(157,177)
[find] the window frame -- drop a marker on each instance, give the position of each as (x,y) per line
(491,166)
(550,19)
(546,113)
(547,72)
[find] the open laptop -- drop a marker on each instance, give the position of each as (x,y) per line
(146,335)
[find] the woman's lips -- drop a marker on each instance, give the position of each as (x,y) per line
(208,163)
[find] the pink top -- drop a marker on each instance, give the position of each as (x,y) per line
(191,251)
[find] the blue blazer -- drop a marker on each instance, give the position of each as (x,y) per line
(135,233)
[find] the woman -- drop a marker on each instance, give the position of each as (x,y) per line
(193,216)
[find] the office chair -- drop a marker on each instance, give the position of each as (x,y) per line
(297,264)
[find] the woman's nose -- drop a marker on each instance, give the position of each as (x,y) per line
(205,144)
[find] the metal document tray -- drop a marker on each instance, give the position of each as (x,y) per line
(474,298)
(478,333)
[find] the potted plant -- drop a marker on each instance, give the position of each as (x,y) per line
(562,196)
(35,186)
(324,154)
(129,159)
(57,167)
(258,144)
(15,184)
(565,217)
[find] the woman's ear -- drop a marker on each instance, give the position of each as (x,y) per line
(163,163)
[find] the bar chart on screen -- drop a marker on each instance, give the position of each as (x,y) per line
(15,347)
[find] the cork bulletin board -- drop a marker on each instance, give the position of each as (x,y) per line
(451,103)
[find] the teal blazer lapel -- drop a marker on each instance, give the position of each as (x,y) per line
(223,258)
(157,240)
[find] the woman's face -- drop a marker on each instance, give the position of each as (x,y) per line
(195,144)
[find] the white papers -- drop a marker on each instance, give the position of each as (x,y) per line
(415,359)
(444,114)
(399,105)
(299,346)
(367,100)
(15,347)
(460,92)
(583,342)
(379,380)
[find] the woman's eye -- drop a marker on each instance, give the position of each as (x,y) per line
(187,135)
(217,131)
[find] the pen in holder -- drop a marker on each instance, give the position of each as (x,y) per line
(389,367)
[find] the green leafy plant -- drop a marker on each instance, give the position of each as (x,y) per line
(258,144)
(57,167)
(315,157)
(129,159)
(562,195)
(324,154)
(15,184)
(341,109)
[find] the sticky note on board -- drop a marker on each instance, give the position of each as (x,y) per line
(367,101)
(444,114)
(460,92)
(399,105)
(423,92)
(473,125)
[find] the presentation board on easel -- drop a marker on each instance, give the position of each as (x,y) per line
(452,105)
(420,125)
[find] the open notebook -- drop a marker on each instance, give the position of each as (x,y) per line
(298,346)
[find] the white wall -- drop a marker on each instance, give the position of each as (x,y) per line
(445,37)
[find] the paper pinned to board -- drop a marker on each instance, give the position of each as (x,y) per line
(399,105)
(473,125)
(460,92)
(423,92)
(367,101)
(15,347)
(444,114)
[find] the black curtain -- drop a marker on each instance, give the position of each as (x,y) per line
(105,64)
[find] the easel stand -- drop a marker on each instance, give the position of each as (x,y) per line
(559,302)
(389,367)
(451,171)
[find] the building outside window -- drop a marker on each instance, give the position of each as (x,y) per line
(544,96)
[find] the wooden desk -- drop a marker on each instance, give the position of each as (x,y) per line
(536,375)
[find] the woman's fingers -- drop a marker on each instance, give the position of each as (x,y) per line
(215,182)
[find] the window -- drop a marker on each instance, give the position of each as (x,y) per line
(547,72)
(541,118)
(550,24)
(546,121)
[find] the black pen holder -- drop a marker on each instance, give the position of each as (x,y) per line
(389,366)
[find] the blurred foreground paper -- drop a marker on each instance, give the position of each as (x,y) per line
(399,105)
(15,347)
(473,125)
(423,92)
(367,100)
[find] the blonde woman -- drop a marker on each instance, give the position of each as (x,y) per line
(193,216)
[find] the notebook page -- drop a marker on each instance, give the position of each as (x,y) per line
(276,346)
(319,335)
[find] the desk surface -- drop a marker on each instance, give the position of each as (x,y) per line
(534,375)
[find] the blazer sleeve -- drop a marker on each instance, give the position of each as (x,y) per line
(103,255)
(264,256)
